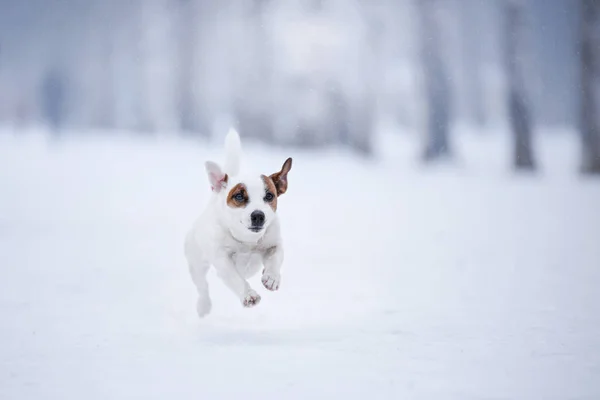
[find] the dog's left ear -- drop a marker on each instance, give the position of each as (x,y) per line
(280,178)
(216,177)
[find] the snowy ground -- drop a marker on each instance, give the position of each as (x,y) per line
(461,282)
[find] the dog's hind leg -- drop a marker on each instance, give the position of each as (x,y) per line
(198,270)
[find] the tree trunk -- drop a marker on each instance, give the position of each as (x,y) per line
(188,36)
(158,57)
(590,86)
(518,107)
(254,111)
(472,43)
(437,88)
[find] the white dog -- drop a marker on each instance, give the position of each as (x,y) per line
(239,230)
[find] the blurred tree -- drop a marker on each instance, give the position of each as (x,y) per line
(253,111)
(189,15)
(518,107)
(472,59)
(590,86)
(158,58)
(437,88)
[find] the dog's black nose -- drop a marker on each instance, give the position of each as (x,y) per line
(258,218)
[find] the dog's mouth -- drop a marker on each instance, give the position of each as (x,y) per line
(256,229)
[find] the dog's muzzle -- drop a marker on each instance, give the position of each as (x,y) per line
(257,219)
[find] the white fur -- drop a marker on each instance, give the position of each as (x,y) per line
(221,236)
(233,149)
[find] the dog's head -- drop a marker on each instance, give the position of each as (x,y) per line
(247,205)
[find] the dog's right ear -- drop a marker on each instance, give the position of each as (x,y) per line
(216,177)
(280,178)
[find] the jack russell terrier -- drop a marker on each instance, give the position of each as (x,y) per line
(238,230)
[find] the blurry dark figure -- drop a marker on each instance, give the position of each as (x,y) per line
(437,88)
(339,114)
(53,100)
(360,123)
(514,56)
(590,86)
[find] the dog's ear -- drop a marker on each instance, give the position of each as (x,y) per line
(216,177)
(280,178)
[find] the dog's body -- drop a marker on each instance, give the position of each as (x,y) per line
(238,231)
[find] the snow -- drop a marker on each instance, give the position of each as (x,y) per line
(447,282)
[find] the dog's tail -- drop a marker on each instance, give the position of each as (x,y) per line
(233,153)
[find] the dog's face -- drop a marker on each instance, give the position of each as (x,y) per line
(248,205)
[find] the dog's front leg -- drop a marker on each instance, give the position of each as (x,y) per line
(272,260)
(239,286)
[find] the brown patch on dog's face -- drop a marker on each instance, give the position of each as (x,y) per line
(280,178)
(270,192)
(237,196)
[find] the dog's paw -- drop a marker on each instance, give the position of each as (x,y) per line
(270,281)
(251,299)
(203,306)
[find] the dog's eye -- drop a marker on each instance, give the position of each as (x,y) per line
(239,197)
(269,197)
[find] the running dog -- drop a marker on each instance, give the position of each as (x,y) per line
(238,232)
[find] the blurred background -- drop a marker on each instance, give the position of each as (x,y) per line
(308,73)
(441,225)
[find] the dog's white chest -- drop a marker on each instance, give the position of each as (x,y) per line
(247,263)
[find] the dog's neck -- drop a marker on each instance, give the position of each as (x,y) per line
(251,243)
